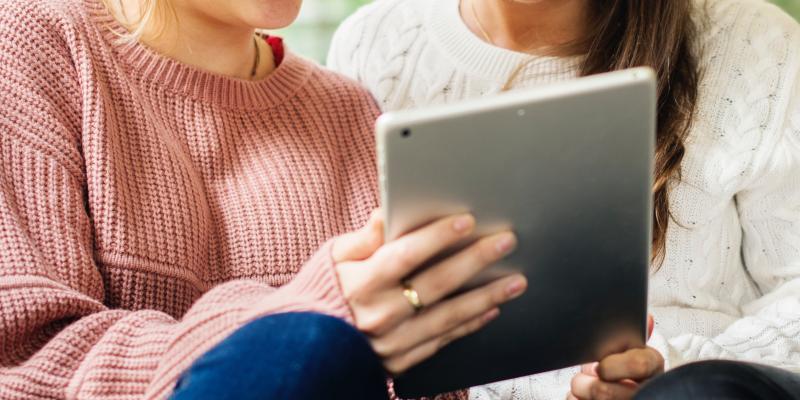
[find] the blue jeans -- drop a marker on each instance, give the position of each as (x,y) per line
(728,380)
(287,356)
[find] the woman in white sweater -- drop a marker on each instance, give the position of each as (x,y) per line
(726,284)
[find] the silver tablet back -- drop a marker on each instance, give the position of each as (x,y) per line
(569,169)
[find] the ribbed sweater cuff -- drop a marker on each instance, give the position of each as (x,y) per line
(316,288)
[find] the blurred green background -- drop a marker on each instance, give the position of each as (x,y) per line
(792,6)
(311,34)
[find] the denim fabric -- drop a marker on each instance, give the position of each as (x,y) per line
(287,356)
(728,380)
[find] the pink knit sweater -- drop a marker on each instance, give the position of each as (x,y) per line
(148,208)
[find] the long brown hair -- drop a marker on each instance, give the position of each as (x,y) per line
(659,34)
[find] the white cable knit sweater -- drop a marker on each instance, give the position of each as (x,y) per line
(730,284)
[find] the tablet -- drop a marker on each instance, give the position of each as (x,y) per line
(568,168)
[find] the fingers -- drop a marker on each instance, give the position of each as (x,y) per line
(403,256)
(361,244)
(587,387)
(635,364)
(403,361)
(616,376)
(651,324)
(376,297)
(589,369)
(452,273)
(448,316)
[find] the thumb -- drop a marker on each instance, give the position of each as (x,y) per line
(361,244)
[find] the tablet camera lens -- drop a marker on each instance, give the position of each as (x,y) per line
(406,133)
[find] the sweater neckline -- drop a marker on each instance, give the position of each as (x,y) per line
(492,63)
(184,79)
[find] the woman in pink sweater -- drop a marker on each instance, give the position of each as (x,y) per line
(165,177)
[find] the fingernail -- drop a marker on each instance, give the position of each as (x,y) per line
(491,315)
(516,288)
(506,244)
(463,224)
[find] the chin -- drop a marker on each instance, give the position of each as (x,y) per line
(276,14)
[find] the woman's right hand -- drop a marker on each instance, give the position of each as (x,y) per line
(372,276)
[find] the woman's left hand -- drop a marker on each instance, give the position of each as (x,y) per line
(618,376)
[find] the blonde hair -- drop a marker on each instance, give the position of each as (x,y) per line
(152,19)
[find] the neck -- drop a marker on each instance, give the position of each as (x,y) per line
(194,38)
(530,26)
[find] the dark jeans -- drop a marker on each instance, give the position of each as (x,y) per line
(287,356)
(727,380)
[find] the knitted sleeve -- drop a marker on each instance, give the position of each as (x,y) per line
(350,45)
(769,211)
(57,338)
(375,47)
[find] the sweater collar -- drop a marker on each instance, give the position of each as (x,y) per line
(449,31)
(184,79)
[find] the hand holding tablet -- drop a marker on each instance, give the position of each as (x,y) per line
(620,375)
(409,319)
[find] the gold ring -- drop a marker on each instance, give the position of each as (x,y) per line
(412,296)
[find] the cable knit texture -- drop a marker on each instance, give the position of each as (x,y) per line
(730,284)
(148,208)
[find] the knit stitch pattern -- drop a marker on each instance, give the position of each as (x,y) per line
(149,208)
